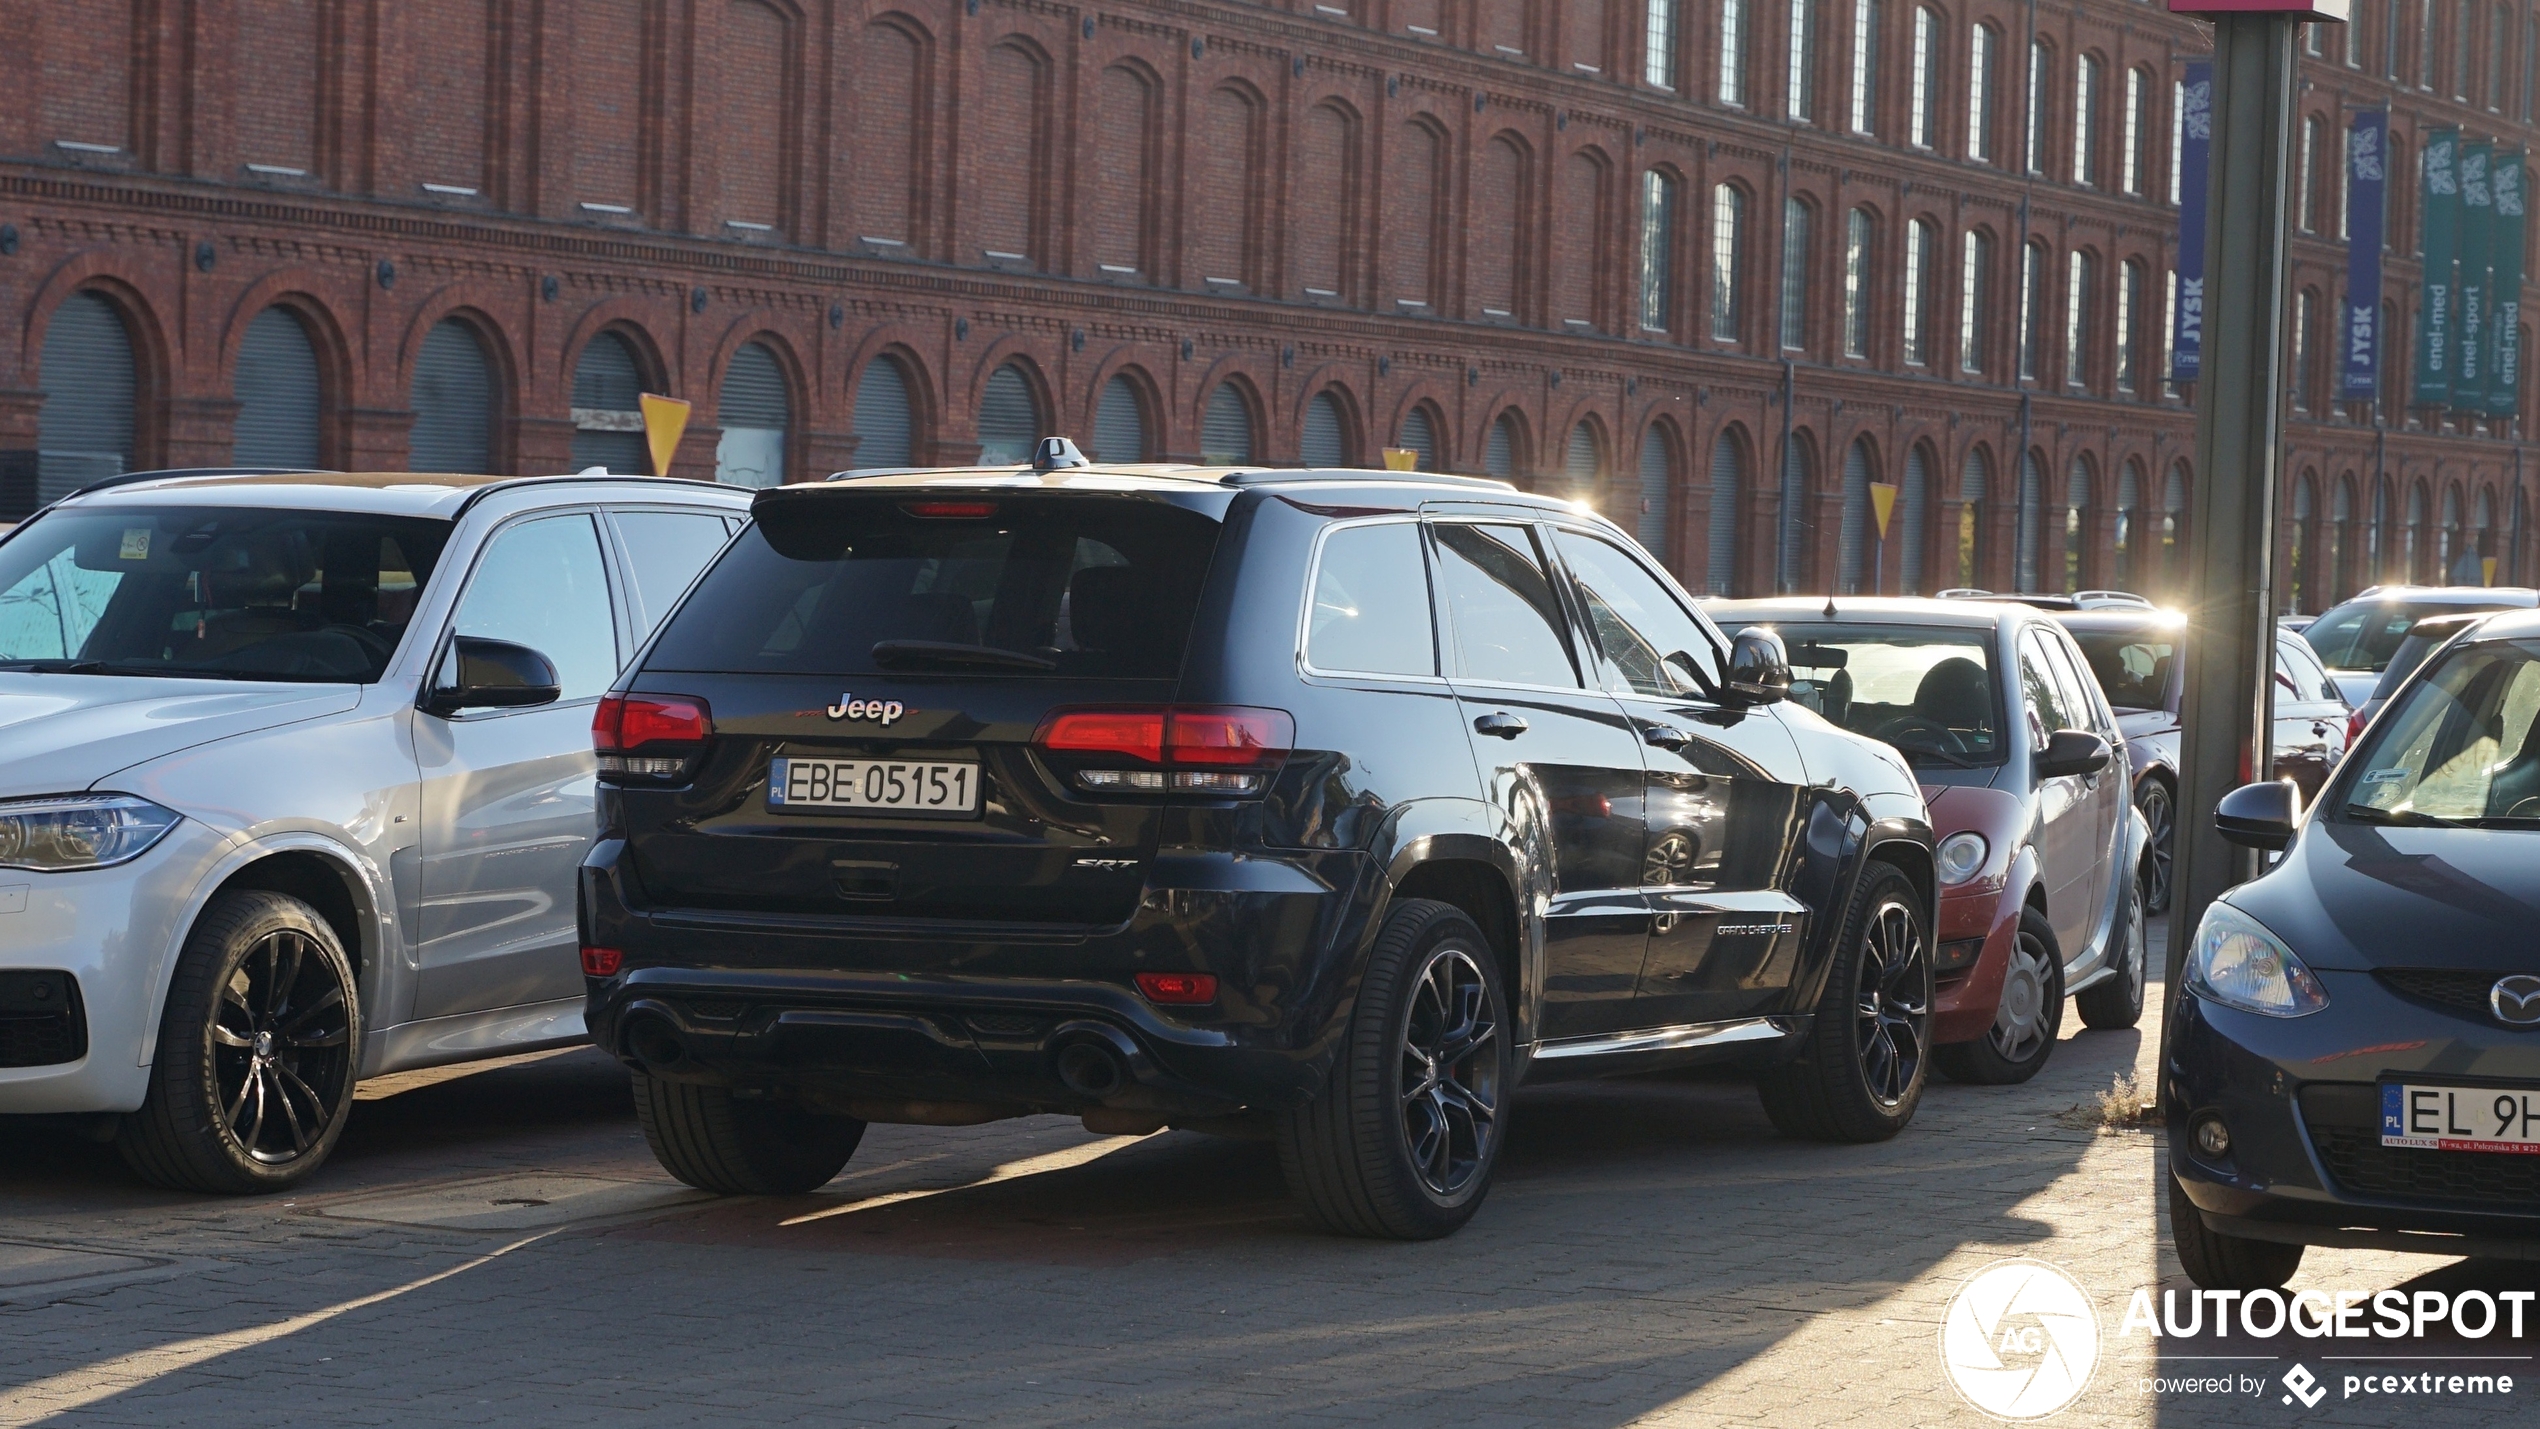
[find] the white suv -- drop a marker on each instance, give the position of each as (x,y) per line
(295,774)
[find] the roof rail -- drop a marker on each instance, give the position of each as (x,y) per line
(2098,599)
(1964,592)
(1260,476)
(468,502)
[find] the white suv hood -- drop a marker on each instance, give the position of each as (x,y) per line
(62,733)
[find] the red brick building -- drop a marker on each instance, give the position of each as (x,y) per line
(1699,260)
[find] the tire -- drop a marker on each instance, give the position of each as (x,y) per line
(2159,806)
(258,1047)
(741,1146)
(1371,1155)
(2226,1262)
(2117,1002)
(1862,1070)
(2026,1022)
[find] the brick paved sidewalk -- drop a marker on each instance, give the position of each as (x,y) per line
(1654,1253)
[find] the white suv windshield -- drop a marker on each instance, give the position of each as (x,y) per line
(213,593)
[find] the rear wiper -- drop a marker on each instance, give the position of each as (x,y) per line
(911,654)
(2403,818)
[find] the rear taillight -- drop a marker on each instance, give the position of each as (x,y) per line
(602,962)
(2354,728)
(1178,989)
(649,736)
(1185,749)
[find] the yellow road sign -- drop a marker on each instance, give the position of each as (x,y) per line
(665,422)
(1883,503)
(1401,459)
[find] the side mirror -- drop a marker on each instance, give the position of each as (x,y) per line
(2260,816)
(480,674)
(2072,751)
(1759,667)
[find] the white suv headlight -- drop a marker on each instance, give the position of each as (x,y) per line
(76,831)
(2238,963)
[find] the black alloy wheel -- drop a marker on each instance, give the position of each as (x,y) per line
(1892,1004)
(1861,1072)
(2160,817)
(1450,1071)
(257,1053)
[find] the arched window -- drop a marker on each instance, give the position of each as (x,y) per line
(84,431)
(1010,147)
(1225,429)
(1499,238)
(1796,223)
(2306,173)
(1800,93)
(1922,243)
(1420,437)
(1728,480)
(1657,491)
(1009,418)
(892,101)
(1799,481)
(2302,545)
(453,402)
(1984,63)
(280,400)
(2033,280)
(1853,538)
(1657,251)
(1922,109)
(2452,558)
(1914,518)
(1120,422)
(1419,177)
(1586,202)
(1583,464)
(885,424)
(2086,90)
(2174,529)
(2414,549)
(2482,532)
(1728,260)
(761,51)
(1328,227)
(1858,235)
(2041,80)
(2082,292)
(1499,449)
(1736,18)
(2121,572)
(1971,525)
(1325,441)
(2076,521)
(1866,17)
(1124,175)
(2341,542)
(608,421)
(2134,132)
(2032,522)
(2130,310)
(756,411)
(1975,300)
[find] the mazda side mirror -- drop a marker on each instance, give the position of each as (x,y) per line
(1759,667)
(2260,816)
(2072,751)
(482,674)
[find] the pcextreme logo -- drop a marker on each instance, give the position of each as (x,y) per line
(2020,1340)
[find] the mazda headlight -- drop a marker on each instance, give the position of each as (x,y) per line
(2238,963)
(78,831)
(1961,857)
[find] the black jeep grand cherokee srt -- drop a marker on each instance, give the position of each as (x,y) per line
(1330,805)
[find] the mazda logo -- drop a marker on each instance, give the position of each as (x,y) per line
(2516,1000)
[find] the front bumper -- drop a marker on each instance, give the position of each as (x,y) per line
(113,930)
(1964,1003)
(2300,1097)
(858,1009)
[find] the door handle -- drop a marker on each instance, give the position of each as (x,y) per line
(1500,723)
(1664,736)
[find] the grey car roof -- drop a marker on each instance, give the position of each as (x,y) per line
(395,493)
(1875,610)
(1131,476)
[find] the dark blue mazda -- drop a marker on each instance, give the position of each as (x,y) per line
(2355,1060)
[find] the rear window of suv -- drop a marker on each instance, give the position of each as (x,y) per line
(1069,587)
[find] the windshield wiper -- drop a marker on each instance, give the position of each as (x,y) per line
(912,654)
(153,672)
(1913,752)
(57,667)
(2402,818)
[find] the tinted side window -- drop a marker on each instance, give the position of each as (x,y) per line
(542,584)
(664,551)
(1503,623)
(1371,603)
(1640,626)
(2080,688)
(2310,682)
(2043,700)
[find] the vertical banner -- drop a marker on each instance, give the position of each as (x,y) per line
(2511,184)
(2439,203)
(2196,136)
(2367,181)
(2469,323)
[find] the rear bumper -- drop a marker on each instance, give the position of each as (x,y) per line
(849,1009)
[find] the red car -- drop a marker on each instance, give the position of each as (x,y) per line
(2041,852)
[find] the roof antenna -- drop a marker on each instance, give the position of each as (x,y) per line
(1829,611)
(1057,454)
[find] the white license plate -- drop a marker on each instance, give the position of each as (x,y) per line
(899,785)
(2460,1118)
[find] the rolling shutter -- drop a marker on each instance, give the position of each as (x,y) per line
(1727,476)
(1009,421)
(1120,424)
(1225,433)
(756,410)
(84,430)
(882,422)
(2032,520)
(1916,499)
(453,404)
(608,422)
(1323,444)
(1853,542)
(1657,493)
(1971,526)
(1499,453)
(1419,436)
(1579,465)
(277,391)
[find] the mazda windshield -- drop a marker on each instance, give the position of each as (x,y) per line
(2460,748)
